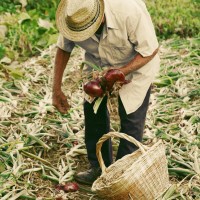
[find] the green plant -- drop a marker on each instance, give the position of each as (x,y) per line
(175,17)
(2,51)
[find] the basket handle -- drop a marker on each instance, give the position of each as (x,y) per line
(119,135)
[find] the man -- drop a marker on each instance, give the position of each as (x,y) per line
(117,34)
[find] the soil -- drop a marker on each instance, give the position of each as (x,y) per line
(84,192)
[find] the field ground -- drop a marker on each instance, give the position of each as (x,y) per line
(40,148)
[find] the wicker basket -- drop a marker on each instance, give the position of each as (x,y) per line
(142,175)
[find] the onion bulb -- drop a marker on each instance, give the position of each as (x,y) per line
(68,187)
(93,88)
(112,76)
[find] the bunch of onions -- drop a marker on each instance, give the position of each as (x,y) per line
(99,86)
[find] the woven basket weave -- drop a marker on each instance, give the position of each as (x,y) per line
(142,175)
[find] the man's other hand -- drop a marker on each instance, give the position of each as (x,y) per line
(60,102)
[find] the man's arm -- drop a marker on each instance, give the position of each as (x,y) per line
(59,99)
(137,62)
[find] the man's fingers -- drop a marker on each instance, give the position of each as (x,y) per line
(61,103)
(64,102)
(62,109)
(62,106)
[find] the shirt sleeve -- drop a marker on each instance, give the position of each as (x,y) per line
(65,44)
(141,32)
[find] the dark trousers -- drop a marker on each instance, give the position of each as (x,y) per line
(98,124)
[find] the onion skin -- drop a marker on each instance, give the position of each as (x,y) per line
(93,88)
(59,187)
(112,76)
(68,187)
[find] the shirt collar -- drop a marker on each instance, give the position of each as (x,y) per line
(110,21)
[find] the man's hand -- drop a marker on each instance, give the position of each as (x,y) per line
(60,102)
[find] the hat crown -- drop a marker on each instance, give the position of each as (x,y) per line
(75,7)
(77,20)
(80,13)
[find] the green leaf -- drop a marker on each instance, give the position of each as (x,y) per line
(52,39)
(95,67)
(97,104)
(2,51)
(2,167)
(3,32)
(45,23)
(23,2)
(17,74)
(23,17)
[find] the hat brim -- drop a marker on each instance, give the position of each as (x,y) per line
(76,36)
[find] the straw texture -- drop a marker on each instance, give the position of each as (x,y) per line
(77,20)
(142,175)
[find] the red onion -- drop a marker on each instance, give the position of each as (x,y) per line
(68,187)
(59,187)
(93,88)
(112,76)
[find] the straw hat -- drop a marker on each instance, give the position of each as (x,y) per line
(77,20)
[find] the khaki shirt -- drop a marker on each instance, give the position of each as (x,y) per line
(128,31)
